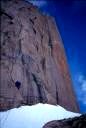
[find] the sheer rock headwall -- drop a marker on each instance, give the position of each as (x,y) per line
(33,62)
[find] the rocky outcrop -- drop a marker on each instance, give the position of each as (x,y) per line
(76,122)
(33,62)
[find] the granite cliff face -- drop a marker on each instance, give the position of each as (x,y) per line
(33,63)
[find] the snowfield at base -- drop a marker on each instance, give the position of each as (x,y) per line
(34,116)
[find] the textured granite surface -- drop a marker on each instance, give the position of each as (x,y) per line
(33,63)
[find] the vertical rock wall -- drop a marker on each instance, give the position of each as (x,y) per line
(33,63)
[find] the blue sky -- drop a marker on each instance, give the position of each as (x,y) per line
(70,16)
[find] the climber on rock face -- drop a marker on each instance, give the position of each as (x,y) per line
(18,84)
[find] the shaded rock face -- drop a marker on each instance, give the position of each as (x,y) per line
(33,62)
(76,122)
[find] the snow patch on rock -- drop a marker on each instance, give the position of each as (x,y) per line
(33,116)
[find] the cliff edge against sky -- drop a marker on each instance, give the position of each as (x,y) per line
(33,62)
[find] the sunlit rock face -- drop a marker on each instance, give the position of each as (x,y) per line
(33,63)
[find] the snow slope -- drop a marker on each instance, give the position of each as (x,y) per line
(33,116)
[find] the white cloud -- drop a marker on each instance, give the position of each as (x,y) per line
(82,83)
(39,3)
(80,78)
(84,100)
